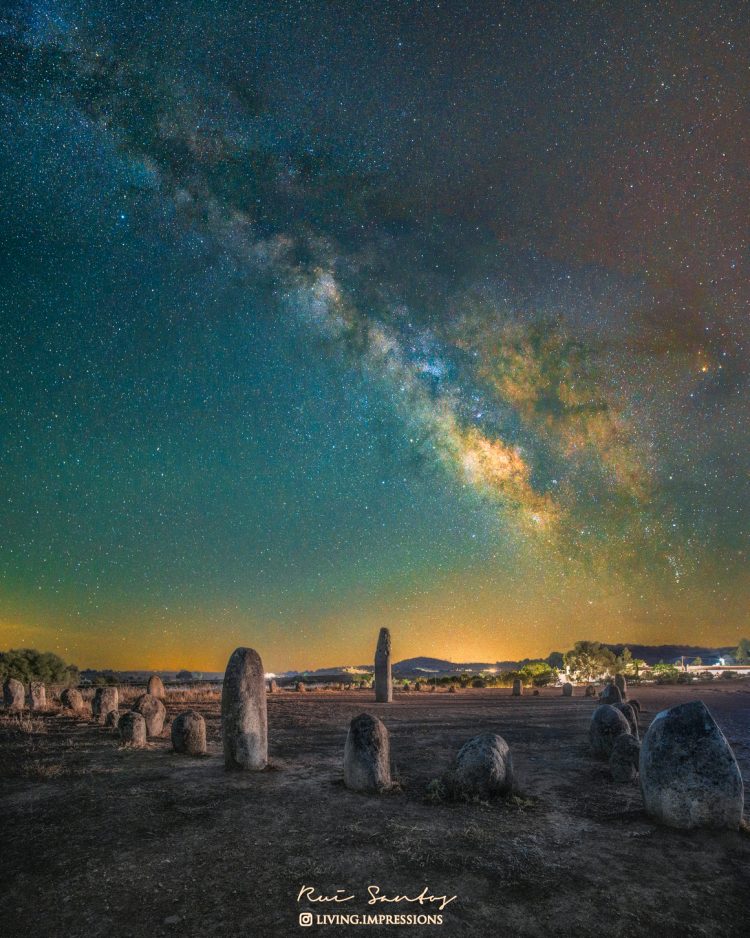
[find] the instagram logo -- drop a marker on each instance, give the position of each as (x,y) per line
(305,918)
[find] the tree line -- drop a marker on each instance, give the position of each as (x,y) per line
(28,664)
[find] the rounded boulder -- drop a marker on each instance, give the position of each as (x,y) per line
(153,711)
(611,694)
(189,733)
(629,712)
(155,687)
(112,719)
(105,700)
(14,696)
(607,723)
(623,760)
(367,760)
(132,729)
(71,699)
(483,768)
(689,775)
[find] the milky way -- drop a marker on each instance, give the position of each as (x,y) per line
(532,304)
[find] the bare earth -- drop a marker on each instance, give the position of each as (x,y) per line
(101,841)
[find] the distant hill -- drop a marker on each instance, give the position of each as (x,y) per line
(653,654)
(423,666)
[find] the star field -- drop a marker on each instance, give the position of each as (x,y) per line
(321,317)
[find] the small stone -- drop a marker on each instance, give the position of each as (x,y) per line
(154,713)
(689,775)
(172,920)
(567,690)
(535,693)
(590,691)
(406,687)
(14,696)
(367,765)
(37,696)
(452,689)
(483,768)
(623,760)
(383,676)
(611,694)
(132,728)
(105,700)
(112,719)
(432,688)
(71,699)
(517,688)
(244,719)
(189,733)
(155,687)
(607,723)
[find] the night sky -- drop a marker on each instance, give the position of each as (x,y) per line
(324,316)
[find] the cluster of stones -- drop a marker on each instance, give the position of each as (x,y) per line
(15,697)
(688,774)
(687,771)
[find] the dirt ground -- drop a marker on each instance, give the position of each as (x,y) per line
(102,841)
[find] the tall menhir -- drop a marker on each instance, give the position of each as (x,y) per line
(244,726)
(383,679)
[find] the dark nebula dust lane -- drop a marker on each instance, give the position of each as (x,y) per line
(435,315)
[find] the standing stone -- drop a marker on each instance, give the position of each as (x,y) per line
(607,723)
(105,699)
(636,705)
(244,722)
(37,696)
(132,727)
(406,687)
(611,694)
(383,676)
(112,719)
(273,687)
(300,687)
(71,699)
(432,688)
(567,690)
(452,689)
(630,715)
(189,733)
(689,775)
(590,691)
(483,768)
(623,760)
(153,711)
(622,685)
(517,687)
(155,687)
(14,696)
(367,763)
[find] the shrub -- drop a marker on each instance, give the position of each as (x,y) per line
(665,673)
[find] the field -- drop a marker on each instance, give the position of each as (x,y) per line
(103,841)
